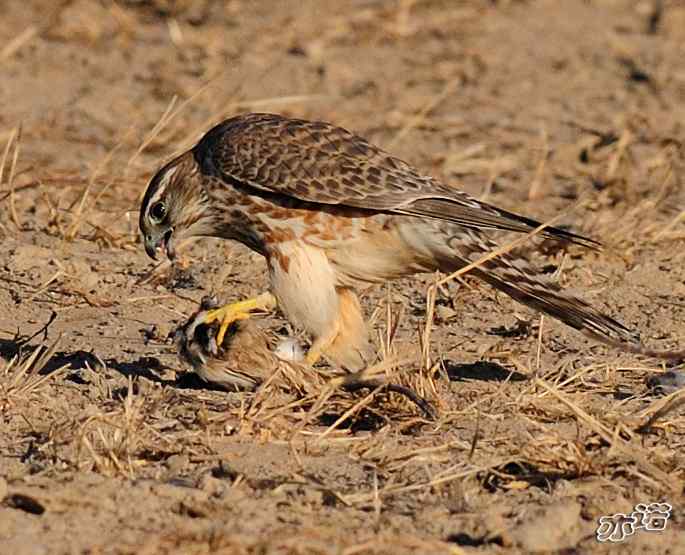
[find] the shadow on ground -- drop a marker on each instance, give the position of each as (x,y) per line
(482,371)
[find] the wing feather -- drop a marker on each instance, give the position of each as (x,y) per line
(317,162)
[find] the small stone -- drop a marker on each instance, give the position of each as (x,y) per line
(3,489)
(177,463)
(445,313)
(211,485)
(164,330)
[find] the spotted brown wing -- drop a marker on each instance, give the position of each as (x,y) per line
(320,163)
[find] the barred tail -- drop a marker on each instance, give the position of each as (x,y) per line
(548,298)
(522,283)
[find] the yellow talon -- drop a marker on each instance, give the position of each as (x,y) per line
(321,344)
(312,357)
(238,311)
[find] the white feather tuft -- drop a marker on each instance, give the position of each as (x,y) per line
(290,350)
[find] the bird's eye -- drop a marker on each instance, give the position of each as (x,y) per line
(158,211)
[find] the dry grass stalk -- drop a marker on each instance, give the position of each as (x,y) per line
(112,439)
(662,408)
(170,114)
(444,477)
(17,42)
(538,351)
(77,217)
(48,21)
(632,451)
(162,122)
(13,140)
(21,376)
(668,228)
(618,154)
(230,107)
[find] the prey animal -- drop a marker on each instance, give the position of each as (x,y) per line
(330,212)
(245,360)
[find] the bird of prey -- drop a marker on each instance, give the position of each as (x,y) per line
(331,212)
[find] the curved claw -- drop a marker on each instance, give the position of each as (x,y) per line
(237,311)
(227,320)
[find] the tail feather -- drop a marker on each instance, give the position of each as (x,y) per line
(523,284)
(548,298)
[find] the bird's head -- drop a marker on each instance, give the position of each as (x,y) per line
(175,207)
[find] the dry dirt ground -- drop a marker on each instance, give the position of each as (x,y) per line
(107,445)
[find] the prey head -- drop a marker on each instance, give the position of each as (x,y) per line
(175,207)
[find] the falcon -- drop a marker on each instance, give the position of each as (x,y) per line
(330,213)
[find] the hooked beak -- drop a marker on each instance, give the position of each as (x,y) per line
(161,242)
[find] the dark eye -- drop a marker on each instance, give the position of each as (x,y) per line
(158,211)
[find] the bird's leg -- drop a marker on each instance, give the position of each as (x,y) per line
(322,343)
(229,313)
